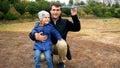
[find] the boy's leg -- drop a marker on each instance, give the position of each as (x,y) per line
(49,58)
(37,58)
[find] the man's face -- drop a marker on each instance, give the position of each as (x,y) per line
(55,12)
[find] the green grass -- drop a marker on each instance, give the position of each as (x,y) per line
(2,27)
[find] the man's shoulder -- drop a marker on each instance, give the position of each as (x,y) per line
(64,20)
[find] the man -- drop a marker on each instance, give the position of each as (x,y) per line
(63,26)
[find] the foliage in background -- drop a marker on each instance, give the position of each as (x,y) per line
(4,6)
(20,7)
(1,15)
(43,5)
(117,12)
(101,10)
(14,1)
(30,9)
(70,2)
(11,16)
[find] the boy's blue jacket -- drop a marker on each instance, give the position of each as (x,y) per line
(47,29)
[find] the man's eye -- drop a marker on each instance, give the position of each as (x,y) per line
(53,9)
(57,10)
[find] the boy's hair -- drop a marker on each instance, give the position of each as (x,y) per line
(42,14)
(56,4)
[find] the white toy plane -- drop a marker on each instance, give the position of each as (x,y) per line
(73,6)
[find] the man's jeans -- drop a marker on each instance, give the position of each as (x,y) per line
(48,58)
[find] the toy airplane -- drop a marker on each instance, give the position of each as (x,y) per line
(73,6)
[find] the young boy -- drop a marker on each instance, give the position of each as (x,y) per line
(45,47)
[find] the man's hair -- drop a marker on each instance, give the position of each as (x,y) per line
(56,4)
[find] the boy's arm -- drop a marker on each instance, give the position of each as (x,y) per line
(32,33)
(56,33)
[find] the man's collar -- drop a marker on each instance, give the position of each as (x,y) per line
(56,19)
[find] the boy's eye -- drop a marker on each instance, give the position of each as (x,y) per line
(47,17)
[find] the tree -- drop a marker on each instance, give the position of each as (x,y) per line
(14,1)
(117,5)
(70,2)
(87,10)
(66,11)
(1,15)
(4,6)
(32,8)
(43,5)
(117,12)
(20,7)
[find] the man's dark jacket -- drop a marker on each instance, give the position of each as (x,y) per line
(64,25)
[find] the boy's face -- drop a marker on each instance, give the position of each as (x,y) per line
(46,19)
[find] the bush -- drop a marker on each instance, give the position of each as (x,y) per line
(87,10)
(1,15)
(108,14)
(81,13)
(66,11)
(4,6)
(11,16)
(117,13)
(32,8)
(20,7)
(27,15)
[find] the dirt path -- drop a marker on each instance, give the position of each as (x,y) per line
(16,52)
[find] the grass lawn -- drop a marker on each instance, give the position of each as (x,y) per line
(105,30)
(101,24)
(16,26)
(97,45)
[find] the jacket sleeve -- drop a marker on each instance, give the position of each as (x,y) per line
(56,33)
(75,26)
(32,33)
